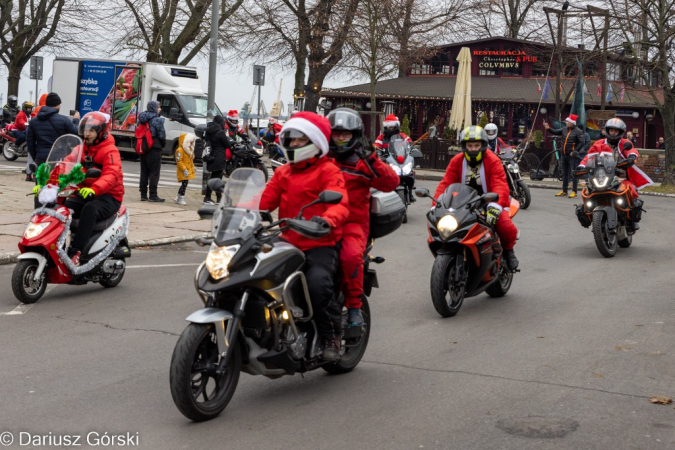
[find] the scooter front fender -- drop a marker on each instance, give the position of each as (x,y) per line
(610,212)
(42,262)
(217,317)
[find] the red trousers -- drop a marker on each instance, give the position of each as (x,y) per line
(506,230)
(354,240)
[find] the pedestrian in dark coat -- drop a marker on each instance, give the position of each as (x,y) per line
(573,141)
(220,144)
(151,161)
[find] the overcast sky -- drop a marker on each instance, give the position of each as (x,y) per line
(232,90)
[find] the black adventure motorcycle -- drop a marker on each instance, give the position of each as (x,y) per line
(518,189)
(257,315)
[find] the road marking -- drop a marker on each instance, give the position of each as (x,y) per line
(152,266)
(21,309)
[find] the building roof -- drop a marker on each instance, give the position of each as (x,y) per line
(510,90)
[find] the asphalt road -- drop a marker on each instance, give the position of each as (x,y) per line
(568,359)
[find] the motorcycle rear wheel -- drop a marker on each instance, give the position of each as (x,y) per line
(605,242)
(354,348)
(193,372)
(25,289)
(446,299)
(8,152)
(114,280)
(523,191)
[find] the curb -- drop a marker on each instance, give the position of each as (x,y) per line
(10,258)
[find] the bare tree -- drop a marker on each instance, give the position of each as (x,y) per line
(650,24)
(166,30)
(28,28)
(416,23)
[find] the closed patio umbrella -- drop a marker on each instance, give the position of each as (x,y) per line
(460,115)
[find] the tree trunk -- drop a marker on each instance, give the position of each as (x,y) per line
(13,78)
(668,115)
(373,108)
(300,66)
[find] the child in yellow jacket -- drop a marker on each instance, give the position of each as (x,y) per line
(185,166)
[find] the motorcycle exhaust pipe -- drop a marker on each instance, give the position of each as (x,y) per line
(112,266)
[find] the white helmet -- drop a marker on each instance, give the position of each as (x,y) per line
(491,131)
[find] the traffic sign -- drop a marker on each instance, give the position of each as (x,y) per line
(258,75)
(36,67)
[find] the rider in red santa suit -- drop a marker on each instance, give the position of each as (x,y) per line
(362,170)
(391,126)
(482,170)
(625,155)
(232,126)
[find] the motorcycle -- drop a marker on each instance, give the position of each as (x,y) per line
(607,204)
(400,155)
(468,254)
(278,159)
(518,189)
(9,150)
(257,316)
(244,154)
(43,259)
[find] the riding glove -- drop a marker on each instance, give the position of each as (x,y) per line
(86,192)
(36,189)
(321,221)
(492,215)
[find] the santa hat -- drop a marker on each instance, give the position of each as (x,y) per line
(391,121)
(233,114)
(572,119)
(312,125)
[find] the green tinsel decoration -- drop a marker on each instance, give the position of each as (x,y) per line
(75,177)
(42,174)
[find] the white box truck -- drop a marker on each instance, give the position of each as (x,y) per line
(122,89)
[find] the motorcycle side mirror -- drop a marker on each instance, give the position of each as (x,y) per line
(330,197)
(490,197)
(93,173)
(416,153)
(216,185)
(421,193)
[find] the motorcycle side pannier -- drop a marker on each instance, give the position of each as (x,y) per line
(386,213)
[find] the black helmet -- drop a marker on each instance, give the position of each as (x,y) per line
(12,101)
(345,119)
(474,134)
(615,124)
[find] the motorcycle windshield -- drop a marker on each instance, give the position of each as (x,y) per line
(457,196)
(238,213)
(66,152)
(398,147)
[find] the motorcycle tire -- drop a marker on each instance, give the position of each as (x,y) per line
(606,244)
(405,216)
(114,280)
(524,193)
(8,153)
(354,351)
(500,287)
(197,346)
(261,166)
(446,302)
(625,243)
(25,289)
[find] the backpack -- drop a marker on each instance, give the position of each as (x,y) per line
(144,139)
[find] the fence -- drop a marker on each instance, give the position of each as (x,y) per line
(436,153)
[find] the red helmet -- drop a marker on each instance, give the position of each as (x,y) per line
(97,121)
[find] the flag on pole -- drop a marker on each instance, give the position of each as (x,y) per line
(547,88)
(599,89)
(610,92)
(622,92)
(538,87)
(586,91)
(561,89)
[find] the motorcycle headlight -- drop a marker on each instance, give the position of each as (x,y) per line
(259,151)
(396,168)
(514,168)
(407,169)
(601,179)
(218,260)
(447,225)
(34,229)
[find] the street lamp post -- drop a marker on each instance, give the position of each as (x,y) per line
(213,59)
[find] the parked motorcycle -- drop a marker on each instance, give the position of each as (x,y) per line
(9,149)
(518,189)
(400,155)
(43,259)
(607,204)
(257,316)
(467,249)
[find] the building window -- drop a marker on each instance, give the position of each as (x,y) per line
(486,64)
(420,69)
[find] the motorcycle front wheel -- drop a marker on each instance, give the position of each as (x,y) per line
(8,152)
(604,240)
(197,390)
(25,288)
(355,348)
(447,299)
(403,199)
(523,194)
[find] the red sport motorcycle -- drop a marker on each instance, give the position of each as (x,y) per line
(7,141)
(43,258)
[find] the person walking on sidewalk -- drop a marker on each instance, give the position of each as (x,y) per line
(220,148)
(151,161)
(573,140)
(185,166)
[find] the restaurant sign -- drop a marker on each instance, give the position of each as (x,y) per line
(502,59)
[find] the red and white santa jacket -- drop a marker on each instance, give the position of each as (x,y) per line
(634,174)
(380,144)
